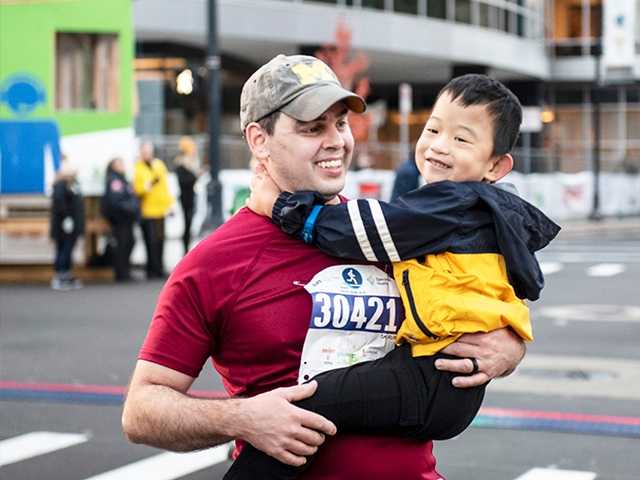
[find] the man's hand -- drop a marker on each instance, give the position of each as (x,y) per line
(497,353)
(282,430)
(264,192)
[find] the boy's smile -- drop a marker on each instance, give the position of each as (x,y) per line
(457,143)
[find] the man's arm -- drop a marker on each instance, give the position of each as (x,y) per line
(497,353)
(159,412)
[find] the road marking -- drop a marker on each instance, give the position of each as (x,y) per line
(168,466)
(555,474)
(591,313)
(549,268)
(605,269)
(36,443)
(611,378)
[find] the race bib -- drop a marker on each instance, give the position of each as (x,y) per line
(355,316)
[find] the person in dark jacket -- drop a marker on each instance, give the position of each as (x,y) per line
(407,179)
(66,225)
(187,165)
(120,207)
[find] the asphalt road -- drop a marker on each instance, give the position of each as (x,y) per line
(581,375)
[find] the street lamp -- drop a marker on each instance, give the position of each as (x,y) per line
(214,189)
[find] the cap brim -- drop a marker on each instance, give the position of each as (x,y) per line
(313,102)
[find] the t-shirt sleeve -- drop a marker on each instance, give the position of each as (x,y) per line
(182,333)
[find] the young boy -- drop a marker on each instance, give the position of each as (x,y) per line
(463,259)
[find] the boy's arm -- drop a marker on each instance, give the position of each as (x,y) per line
(418,223)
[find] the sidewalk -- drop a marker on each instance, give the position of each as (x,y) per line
(610,226)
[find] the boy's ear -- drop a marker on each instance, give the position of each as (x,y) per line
(257,139)
(500,166)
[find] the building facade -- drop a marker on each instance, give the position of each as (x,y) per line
(66,89)
(547,51)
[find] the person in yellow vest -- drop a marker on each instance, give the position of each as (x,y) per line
(151,186)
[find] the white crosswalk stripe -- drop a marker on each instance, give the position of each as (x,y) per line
(33,444)
(555,474)
(605,270)
(173,466)
(168,466)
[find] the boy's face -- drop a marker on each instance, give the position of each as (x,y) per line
(456,143)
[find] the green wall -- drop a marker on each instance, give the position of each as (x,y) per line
(27,45)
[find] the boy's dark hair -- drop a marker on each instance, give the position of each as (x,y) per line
(502,104)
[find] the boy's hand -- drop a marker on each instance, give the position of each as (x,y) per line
(264,192)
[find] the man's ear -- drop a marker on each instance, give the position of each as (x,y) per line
(257,139)
(500,166)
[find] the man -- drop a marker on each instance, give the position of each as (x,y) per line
(239,298)
(151,186)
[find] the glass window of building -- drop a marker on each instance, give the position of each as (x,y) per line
(463,11)
(488,15)
(437,8)
(503,22)
(569,95)
(575,19)
(406,6)
(378,4)
(87,71)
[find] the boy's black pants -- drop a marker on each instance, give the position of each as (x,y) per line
(396,395)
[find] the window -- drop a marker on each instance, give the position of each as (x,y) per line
(463,11)
(87,71)
(437,8)
(379,4)
(406,6)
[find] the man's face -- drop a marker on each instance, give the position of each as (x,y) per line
(311,155)
(456,143)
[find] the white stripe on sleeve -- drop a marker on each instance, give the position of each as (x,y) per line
(358,229)
(383,230)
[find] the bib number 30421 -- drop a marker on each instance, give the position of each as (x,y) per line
(355,312)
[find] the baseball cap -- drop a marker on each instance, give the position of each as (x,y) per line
(301,86)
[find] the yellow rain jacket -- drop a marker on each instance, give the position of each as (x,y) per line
(151,186)
(462,253)
(451,294)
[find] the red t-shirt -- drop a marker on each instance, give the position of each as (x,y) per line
(239,298)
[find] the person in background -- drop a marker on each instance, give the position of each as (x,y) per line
(152,188)
(187,168)
(407,179)
(67,224)
(119,206)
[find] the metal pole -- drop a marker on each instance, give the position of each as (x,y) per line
(595,101)
(214,189)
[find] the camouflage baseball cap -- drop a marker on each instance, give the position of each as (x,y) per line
(301,86)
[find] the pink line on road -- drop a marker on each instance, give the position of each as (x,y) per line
(576,417)
(95,389)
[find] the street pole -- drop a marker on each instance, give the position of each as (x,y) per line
(214,189)
(595,101)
